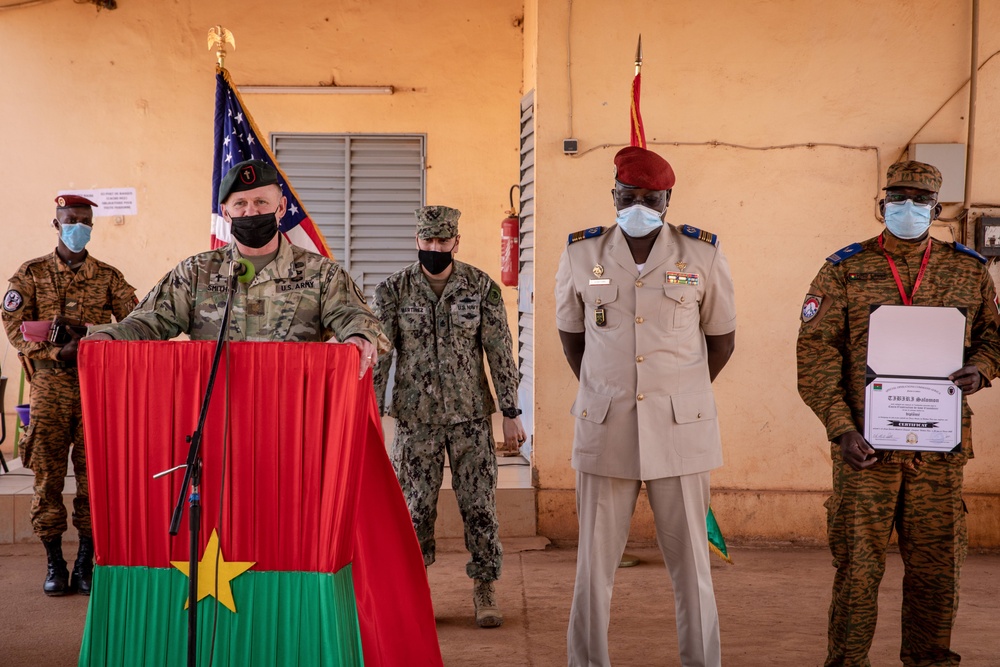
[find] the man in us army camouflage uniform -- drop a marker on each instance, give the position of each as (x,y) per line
(919,494)
(441,315)
(66,286)
(296,295)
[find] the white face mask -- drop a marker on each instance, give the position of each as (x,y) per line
(906,220)
(639,220)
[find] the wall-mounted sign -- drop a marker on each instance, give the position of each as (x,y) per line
(110,201)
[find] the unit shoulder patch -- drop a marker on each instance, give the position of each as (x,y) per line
(590,233)
(842,254)
(493,296)
(970,252)
(810,307)
(12,301)
(358,292)
(700,234)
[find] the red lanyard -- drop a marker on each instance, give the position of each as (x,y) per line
(907,300)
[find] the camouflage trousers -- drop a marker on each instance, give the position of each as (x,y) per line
(417,455)
(924,504)
(56,433)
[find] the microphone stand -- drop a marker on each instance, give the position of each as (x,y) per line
(192,478)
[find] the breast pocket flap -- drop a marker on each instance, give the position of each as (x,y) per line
(696,407)
(600,294)
(682,294)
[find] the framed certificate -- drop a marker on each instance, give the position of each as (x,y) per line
(910,403)
(919,415)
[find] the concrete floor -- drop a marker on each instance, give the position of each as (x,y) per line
(772,607)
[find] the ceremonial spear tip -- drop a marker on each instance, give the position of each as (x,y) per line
(638,54)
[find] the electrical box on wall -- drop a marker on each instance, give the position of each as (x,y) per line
(950,161)
(981,227)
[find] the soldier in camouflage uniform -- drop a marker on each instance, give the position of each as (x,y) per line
(295,295)
(917,493)
(441,315)
(69,284)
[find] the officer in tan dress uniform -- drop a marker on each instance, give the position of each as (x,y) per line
(647,319)
(68,285)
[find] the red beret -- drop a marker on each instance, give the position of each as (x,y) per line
(642,168)
(72,201)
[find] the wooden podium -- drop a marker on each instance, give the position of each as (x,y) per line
(308,556)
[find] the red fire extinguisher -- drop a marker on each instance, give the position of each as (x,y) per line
(509,254)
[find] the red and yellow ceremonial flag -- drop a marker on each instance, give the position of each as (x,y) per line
(638,135)
(307,553)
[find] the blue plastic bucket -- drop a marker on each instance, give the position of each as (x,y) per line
(22,412)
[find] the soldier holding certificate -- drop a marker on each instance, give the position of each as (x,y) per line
(919,494)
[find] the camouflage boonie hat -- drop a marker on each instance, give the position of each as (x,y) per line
(913,174)
(437,222)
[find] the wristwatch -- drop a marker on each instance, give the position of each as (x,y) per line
(510,413)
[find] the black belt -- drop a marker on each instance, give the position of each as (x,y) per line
(42,364)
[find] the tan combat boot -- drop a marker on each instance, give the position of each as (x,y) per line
(487,612)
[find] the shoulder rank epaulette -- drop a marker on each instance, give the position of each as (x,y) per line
(593,232)
(700,234)
(969,251)
(842,254)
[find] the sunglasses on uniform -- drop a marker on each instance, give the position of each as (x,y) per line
(919,200)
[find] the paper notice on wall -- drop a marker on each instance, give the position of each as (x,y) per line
(110,201)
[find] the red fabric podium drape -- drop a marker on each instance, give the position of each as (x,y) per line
(303,486)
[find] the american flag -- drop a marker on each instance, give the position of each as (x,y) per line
(236,139)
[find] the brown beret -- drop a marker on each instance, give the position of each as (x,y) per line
(643,168)
(72,201)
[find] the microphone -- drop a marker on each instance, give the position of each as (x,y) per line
(243,270)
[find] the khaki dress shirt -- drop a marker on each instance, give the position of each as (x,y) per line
(645,407)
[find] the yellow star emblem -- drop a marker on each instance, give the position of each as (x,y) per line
(212,560)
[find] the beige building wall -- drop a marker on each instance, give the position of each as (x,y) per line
(779,119)
(125,98)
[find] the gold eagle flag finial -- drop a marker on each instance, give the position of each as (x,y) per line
(220,36)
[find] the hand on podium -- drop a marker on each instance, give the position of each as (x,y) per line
(369,353)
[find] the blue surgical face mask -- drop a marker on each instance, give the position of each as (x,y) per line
(906,220)
(76,237)
(639,220)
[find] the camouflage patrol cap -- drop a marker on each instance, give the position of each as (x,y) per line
(437,222)
(247,175)
(913,174)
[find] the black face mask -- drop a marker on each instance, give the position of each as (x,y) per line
(254,231)
(434,261)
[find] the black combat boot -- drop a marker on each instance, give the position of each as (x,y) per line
(83,569)
(57,580)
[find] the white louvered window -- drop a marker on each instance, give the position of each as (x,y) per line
(526,272)
(360,190)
